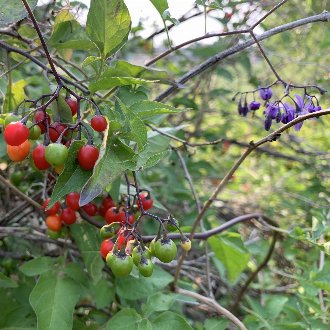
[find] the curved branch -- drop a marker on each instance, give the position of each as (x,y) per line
(323,17)
(214,305)
(19,193)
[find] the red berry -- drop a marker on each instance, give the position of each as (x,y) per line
(131,218)
(99,123)
(54,222)
(111,215)
(16,133)
(55,131)
(72,103)
(39,117)
(106,247)
(72,201)
(108,202)
(38,155)
(101,210)
(68,216)
(121,217)
(87,156)
(147,202)
(20,152)
(90,209)
(121,241)
(53,210)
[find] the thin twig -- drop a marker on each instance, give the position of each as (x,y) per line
(323,17)
(255,273)
(252,146)
(214,305)
(19,193)
(42,40)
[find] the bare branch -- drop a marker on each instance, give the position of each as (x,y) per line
(323,17)
(214,305)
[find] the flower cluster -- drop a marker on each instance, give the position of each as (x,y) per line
(278,110)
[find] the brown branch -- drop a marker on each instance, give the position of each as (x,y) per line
(42,40)
(323,17)
(214,305)
(186,43)
(255,273)
(41,65)
(19,193)
(252,146)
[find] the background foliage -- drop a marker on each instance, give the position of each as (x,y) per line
(64,284)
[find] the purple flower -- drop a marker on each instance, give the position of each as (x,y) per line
(268,123)
(245,109)
(254,105)
(312,108)
(272,110)
(240,107)
(289,113)
(301,109)
(265,93)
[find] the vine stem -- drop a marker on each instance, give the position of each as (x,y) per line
(42,40)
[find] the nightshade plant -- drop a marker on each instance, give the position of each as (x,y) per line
(113,179)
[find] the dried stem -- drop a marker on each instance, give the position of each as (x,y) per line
(214,305)
(42,40)
(19,193)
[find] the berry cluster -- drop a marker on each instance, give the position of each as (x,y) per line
(57,138)
(278,110)
(125,252)
(123,244)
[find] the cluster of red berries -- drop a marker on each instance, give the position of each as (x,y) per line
(122,246)
(18,133)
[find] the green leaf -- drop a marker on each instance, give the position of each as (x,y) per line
(121,73)
(116,160)
(159,302)
(133,288)
(160,5)
(108,25)
(230,251)
(103,293)
(90,60)
(169,320)
(136,131)
(145,324)
(126,319)
(13,11)
(148,158)
(53,300)
(14,96)
(17,328)
(131,96)
(67,33)
(110,82)
(37,266)
(73,177)
(63,110)
(6,282)
(214,324)
(148,109)
(87,239)
(121,68)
